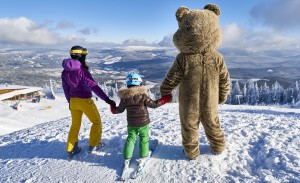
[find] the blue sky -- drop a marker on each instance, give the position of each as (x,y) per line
(47,23)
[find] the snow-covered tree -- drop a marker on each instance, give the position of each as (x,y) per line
(236,94)
(104,88)
(289,95)
(253,93)
(244,93)
(264,92)
(297,92)
(276,93)
(113,91)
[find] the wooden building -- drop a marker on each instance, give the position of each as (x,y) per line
(18,93)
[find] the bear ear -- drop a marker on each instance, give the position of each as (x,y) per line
(180,12)
(214,8)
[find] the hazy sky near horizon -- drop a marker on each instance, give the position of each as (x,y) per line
(269,23)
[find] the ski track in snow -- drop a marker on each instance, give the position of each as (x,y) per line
(262,146)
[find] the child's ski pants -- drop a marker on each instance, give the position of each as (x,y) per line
(143,133)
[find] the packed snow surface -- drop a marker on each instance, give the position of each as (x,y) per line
(263,145)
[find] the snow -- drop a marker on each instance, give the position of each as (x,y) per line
(31,114)
(263,145)
(111,59)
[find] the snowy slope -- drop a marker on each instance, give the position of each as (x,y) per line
(263,145)
(31,114)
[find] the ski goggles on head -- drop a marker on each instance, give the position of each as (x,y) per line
(83,51)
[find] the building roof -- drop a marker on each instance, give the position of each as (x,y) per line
(13,90)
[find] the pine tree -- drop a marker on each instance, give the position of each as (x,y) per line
(264,92)
(236,94)
(112,92)
(297,92)
(256,93)
(104,88)
(276,93)
(244,93)
(116,88)
(253,93)
(289,95)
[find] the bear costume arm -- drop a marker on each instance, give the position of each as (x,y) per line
(173,78)
(224,82)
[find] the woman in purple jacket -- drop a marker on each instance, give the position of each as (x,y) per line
(78,85)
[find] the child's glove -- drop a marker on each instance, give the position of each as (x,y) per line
(165,98)
(113,108)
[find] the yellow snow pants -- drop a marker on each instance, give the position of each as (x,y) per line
(79,106)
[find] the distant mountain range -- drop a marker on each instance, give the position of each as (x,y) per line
(36,66)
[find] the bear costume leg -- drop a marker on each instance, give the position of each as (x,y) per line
(190,134)
(213,131)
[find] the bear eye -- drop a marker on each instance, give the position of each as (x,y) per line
(188,27)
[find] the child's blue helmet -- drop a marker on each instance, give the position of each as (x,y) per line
(133,79)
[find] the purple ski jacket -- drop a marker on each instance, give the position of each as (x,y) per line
(78,82)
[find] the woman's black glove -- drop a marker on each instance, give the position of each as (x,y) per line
(110,102)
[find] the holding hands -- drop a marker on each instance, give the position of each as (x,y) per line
(110,102)
(166,98)
(112,105)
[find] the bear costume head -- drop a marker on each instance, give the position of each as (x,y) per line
(199,30)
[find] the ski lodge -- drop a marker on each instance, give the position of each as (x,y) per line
(17,92)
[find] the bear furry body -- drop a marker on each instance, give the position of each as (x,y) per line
(202,76)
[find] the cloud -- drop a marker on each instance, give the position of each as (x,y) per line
(85,31)
(46,23)
(23,31)
(64,25)
(235,36)
(135,42)
(249,39)
(232,33)
(167,41)
(278,14)
(88,31)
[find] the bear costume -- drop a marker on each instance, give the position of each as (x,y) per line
(202,76)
